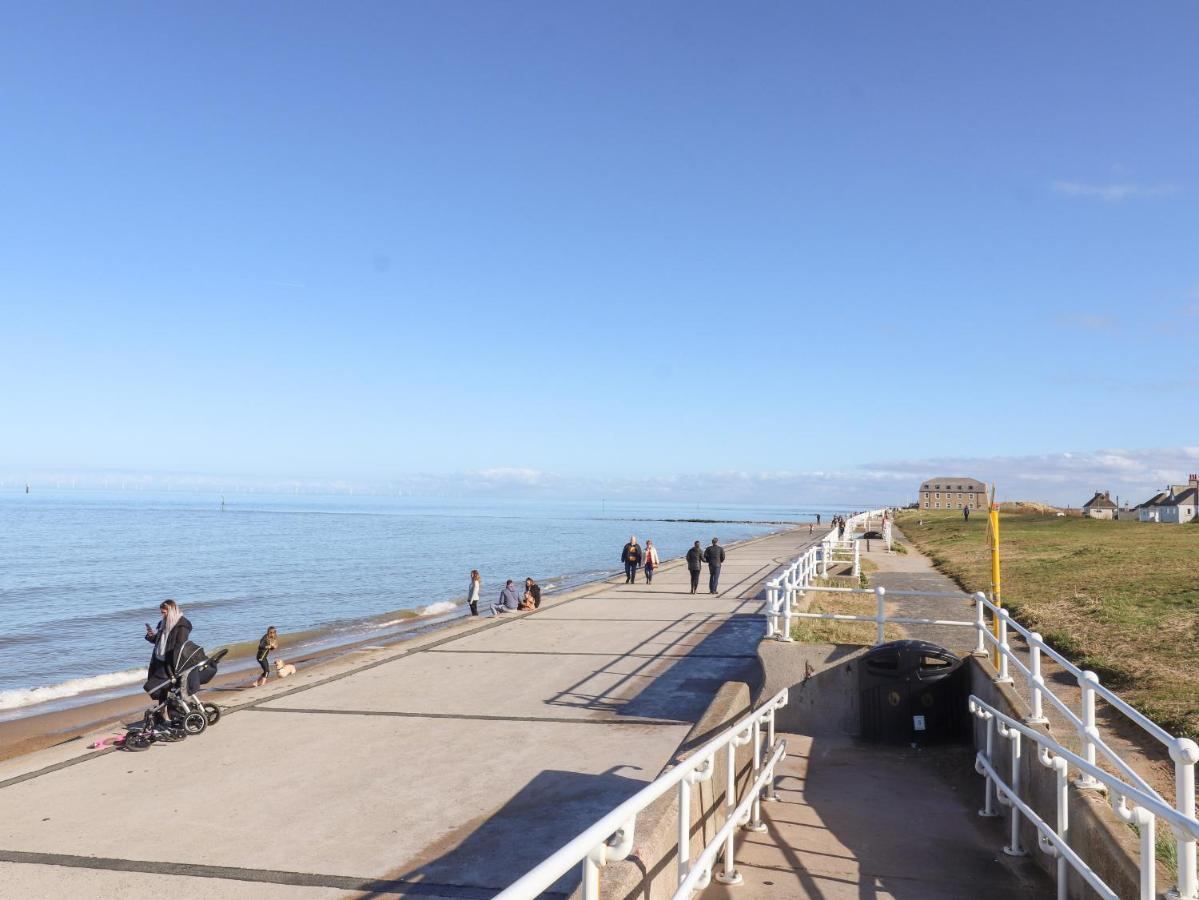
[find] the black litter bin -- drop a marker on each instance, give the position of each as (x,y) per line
(912,692)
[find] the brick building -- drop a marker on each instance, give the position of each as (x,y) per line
(953,492)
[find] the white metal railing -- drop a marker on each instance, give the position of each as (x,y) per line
(611,838)
(993,626)
(1054,839)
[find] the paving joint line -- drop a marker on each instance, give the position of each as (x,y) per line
(395,886)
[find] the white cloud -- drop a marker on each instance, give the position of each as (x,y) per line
(1057,478)
(1114,193)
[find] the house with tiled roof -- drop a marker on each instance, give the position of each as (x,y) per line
(1177,504)
(1100,506)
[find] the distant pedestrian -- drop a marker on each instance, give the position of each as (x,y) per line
(651,561)
(532,594)
(509,600)
(810,527)
(631,557)
(472,593)
(269,642)
(841,528)
(695,562)
(966,513)
(714,557)
(817,518)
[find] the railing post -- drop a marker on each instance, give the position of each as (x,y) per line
(684,835)
(980,624)
(755,822)
(824,552)
(729,873)
(1013,848)
(1088,732)
(1036,681)
(857,560)
(988,809)
(1004,649)
(1061,767)
(590,879)
(786,635)
(772,607)
(770,794)
(1185,754)
(880,594)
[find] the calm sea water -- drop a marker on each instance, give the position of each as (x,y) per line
(80,571)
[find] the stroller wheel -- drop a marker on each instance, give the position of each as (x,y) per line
(213,712)
(195,723)
(136,740)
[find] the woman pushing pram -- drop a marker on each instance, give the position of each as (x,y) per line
(178,667)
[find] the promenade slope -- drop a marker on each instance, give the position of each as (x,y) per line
(442,769)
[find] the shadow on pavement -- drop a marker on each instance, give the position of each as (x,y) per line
(488,854)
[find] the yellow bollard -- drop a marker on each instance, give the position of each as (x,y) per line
(996,592)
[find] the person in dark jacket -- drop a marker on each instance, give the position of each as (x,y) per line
(533,592)
(714,557)
(695,562)
(509,600)
(172,632)
(631,557)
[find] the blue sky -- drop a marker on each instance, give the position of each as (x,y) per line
(372,241)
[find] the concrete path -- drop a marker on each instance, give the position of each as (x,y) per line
(443,769)
(857,821)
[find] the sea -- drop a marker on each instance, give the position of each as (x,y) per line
(82,571)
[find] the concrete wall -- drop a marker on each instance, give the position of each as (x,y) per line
(651,871)
(823,684)
(1105,843)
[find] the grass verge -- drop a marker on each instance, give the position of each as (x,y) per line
(1121,598)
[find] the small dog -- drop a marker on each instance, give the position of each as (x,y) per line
(282,669)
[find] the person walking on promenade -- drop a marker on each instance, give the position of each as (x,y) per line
(714,557)
(695,562)
(269,642)
(532,595)
(651,561)
(509,600)
(472,592)
(817,518)
(631,557)
(841,528)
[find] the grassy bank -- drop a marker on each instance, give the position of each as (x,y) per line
(820,631)
(1121,598)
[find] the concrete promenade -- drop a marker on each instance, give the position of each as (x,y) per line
(442,767)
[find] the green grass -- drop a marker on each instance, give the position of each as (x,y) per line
(1121,598)
(817,631)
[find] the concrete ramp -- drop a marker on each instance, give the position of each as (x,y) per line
(855,821)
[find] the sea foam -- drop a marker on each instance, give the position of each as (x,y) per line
(15,699)
(436,609)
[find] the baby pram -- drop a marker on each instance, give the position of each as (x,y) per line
(180,711)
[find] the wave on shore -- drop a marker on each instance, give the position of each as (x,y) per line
(15,699)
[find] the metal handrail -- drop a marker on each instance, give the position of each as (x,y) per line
(1054,840)
(784,591)
(611,838)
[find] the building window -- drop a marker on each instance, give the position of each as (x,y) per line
(926,504)
(937,505)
